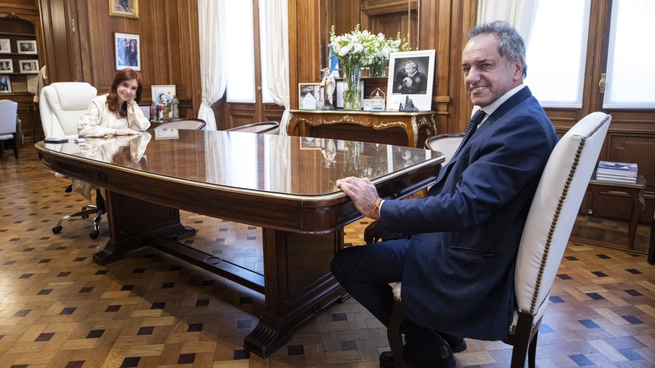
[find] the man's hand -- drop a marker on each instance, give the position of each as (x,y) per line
(408,81)
(361,191)
(127,131)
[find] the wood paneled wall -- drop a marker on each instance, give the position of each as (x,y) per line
(80,45)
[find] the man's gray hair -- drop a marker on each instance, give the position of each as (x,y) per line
(511,43)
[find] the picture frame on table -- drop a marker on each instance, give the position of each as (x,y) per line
(5,46)
(30,66)
(124,8)
(6,66)
(26,47)
(315,90)
(163,94)
(411,78)
(5,84)
(127,50)
(341,86)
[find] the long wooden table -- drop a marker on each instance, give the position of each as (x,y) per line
(286,185)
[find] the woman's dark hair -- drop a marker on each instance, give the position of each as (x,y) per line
(112,99)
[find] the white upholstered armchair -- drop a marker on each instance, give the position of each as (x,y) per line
(545,236)
(61,105)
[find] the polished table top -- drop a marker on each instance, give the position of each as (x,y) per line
(269,173)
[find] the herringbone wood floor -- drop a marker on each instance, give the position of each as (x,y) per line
(58,309)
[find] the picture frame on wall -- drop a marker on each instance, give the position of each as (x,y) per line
(5,46)
(26,47)
(124,8)
(163,94)
(30,66)
(411,78)
(6,66)
(127,48)
(5,84)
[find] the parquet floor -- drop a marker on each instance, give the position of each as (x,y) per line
(58,309)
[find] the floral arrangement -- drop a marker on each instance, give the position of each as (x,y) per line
(384,47)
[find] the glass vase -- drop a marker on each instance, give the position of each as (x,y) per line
(378,70)
(352,94)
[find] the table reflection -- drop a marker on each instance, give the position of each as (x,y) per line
(260,162)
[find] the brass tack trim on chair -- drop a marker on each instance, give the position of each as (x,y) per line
(560,204)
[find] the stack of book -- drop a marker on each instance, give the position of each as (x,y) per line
(616,172)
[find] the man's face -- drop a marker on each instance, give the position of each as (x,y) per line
(410,69)
(488,75)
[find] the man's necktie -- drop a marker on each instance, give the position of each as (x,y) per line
(473,125)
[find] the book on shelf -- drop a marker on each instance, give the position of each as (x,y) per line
(616,179)
(617,169)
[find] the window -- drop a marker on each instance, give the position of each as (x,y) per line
(241,60)
(557,50)
(630,71)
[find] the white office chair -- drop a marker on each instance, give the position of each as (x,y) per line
(545,236)
(8,122)
(444,143)
(269,127)
(61,105)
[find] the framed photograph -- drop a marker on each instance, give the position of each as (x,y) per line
(411,76)
(5,84)
(19,87)
(128,51)
(124,8)
(5,46)
(26,47)
(311,143)
(6,66)
(313,89)
(341,86)
(29,66)
(163,95)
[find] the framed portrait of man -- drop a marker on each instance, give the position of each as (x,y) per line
(411,76)
(128,51)
(5,46)
(26,47)
(6,66)
(29,66)
(124,8)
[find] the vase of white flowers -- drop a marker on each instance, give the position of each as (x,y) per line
(354,50)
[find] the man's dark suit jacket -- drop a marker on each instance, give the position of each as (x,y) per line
(458,276)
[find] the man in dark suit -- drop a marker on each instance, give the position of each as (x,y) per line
(456,261)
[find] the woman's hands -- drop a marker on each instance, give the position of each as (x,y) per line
(126,131)
(363,194)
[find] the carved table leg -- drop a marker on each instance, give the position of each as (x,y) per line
(299,284)
(131,221)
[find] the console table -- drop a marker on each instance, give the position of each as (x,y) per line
(635,191)
(412,123)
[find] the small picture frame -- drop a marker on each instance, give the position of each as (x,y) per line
(124,8)
(5,84)
(30,66)
(411,76)
(146,111)
(166,133)
(6,66)
(127,49)
(314,89)
(163,94)
(19,87)
(5,46)
(26,47)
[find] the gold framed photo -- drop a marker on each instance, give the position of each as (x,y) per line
(124,8)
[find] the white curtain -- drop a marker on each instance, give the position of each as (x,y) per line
(519,13)
(277,54)
(213,63)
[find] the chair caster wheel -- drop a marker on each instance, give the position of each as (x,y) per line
(94,234)
(56,229)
